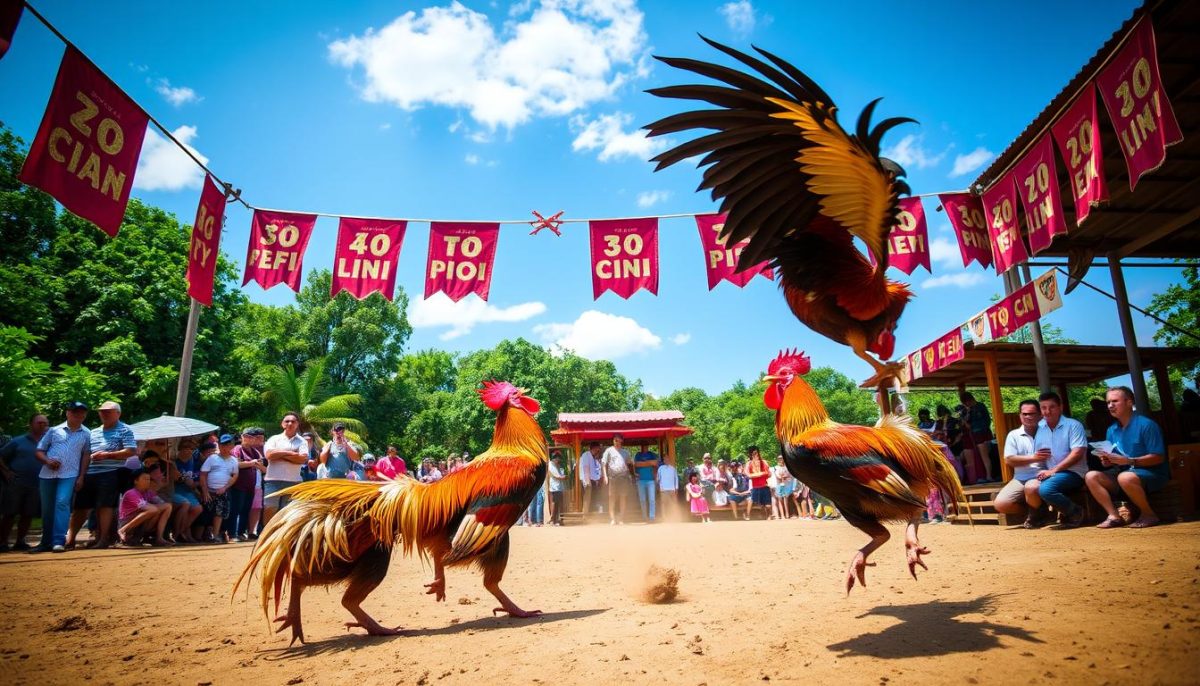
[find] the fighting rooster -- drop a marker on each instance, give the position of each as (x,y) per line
(872,474)
(336,531)
(798,186)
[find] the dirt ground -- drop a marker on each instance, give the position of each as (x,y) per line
(758,601)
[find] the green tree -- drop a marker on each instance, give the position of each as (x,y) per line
(1179,305)
(306,395)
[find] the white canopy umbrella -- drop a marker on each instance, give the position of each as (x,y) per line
(167,426)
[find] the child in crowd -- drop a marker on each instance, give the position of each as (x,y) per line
(216,476)
(720,496)
(142,512)
(695,495)
(935,509)
(804,505)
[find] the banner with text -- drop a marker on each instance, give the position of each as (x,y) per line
(460,259)
(624,256)
(1000,212)
(86,149)
(1077,133)
(720,260)
(1024,305)
(1133,94)
(908,241)
(1037,184)
(366,255)
(206,242)
(275,254)
(943,352)
(966,216)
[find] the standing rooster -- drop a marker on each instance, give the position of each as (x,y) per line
(336,531)
(872,474)
(799,187)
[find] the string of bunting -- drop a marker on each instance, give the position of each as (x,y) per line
(86,151)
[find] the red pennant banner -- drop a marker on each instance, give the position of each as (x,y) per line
(1000,211)
(966,216)
(1078,138)
(86,149)
(720,260)
(1037,184)
(366,256)
(1014,311)
(205,243)
(10,16)
(1133,94)
(624,256)
(939,354)
(276,251)
(908,241)
(460,260)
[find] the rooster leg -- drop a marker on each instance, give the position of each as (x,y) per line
(292,618)
(913,547)
(883,370)
(368,573)
(437,587)
(858,564)
(493,563)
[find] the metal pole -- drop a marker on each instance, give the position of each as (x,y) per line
(1039,347)
(185,364)
(1132,355)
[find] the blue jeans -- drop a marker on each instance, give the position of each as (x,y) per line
(239,512)
(537,508)
(56,509)
(646,494)
(1055,490)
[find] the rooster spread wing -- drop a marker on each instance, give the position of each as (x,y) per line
(488,518)
(866,456)
(779,158)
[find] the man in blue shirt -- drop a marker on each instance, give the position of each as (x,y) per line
(645,463)
(1138,461)
(1061,444)
(19,468)
(64,453)
(113,442)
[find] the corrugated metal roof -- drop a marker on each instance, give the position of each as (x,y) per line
(619,417)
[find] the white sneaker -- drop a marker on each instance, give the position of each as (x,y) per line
(59,549)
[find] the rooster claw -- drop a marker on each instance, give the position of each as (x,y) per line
(914,558)
(885,371)
(437,588)
(858,568)
(516,612)
(297,632)
(374,629)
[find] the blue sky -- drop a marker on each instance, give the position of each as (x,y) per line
(485,111)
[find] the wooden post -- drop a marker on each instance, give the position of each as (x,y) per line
(1039,347)
(577,488)
(1169,415)
(993,379)
(185,363)
(1132,355)
(1066,400)
(670,457)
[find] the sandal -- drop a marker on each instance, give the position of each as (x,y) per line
(1111,523)
(1144,523)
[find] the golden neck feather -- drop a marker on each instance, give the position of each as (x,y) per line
(517,433)
(800,410)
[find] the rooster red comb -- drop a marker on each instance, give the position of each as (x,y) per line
(496,393)
(790,362)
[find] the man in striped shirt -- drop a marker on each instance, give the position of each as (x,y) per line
(113,442)
(64,452)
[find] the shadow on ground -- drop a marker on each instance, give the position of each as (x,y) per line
(935,628)
(353,641)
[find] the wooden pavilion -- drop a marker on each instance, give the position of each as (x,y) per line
(576,429)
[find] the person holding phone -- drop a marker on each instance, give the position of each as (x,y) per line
(1061,446)
(339,455)
(1020,453)
(1136,466)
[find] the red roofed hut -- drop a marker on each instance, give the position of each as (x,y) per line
(577,429)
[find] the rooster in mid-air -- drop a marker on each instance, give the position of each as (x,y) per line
(872,474)
(336,531)
(799,187)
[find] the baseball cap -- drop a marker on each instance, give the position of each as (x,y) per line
(225,438)
(109,405)
(76,405)
(306,434)
(339,427)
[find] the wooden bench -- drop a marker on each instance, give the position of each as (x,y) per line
(979,503)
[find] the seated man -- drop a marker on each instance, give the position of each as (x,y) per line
(1020,454)
(1062,445)
(1138,461)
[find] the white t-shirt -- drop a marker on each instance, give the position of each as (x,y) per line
(557,478)
(221,471)
(1020,443)
(281,470)
(617,461)
(668,478)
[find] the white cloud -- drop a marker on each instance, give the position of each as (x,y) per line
(598,336)
(177,96)
(910,152)
(742,18)
(965,164)
(463,316)
(607,134)
(386,126)
(650,198)
(471,159)
(945,252)
(562,56)
(681,338)
(164,167)
(958,280)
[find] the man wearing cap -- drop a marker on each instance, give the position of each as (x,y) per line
(112,443)
(19,468)
(217,474)
(64,452)
(339,455)
(285,453)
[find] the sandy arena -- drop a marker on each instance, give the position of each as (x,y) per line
(758,602)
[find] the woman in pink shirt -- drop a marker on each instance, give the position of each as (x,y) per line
(391,466)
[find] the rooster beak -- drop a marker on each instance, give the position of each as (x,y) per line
(772,377)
